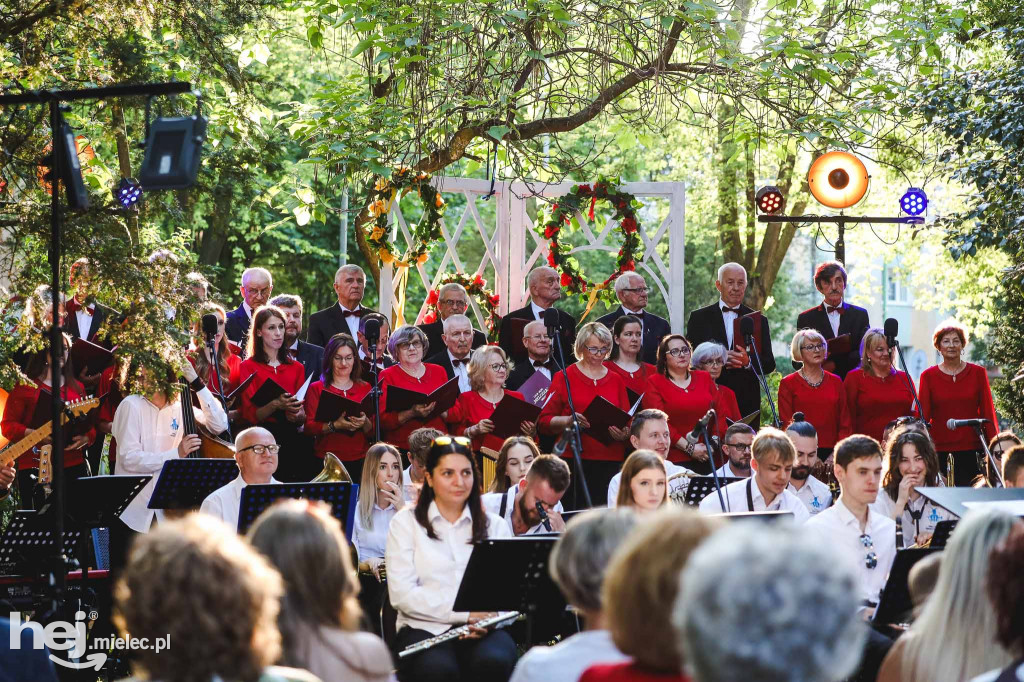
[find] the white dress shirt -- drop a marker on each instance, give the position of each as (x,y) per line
(84,321)
(567,660)
(352,320)
(247,309)
(815,495)
(148,436)
(492,505)
(538,312)
(833,319)
(638,314)
(729,318)
(461,371)
(930,515)
(225,500)
(681,483)
(838,527)
(424,574)
(725,471)
(735,495)
(371,542)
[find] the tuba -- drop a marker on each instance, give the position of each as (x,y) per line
(333,472)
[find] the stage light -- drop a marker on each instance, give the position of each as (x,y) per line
(74,152)
(128,192)
(838,179)
(914,201)
(173,148)
(769,200)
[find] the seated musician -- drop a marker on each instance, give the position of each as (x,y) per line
(420,441)
(736,448)
(815,495)
(546,481)
(514,459)
(345,437)
(7,476)
(773,458)
(1013,467)
(256,456)
(644,485)
(18,421)
(228,363)
(649,431)
(428,548)
(408,345)
(149,431)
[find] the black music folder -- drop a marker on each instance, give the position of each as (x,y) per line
(332,406)
(510,413)
(601,414)
(268,390)
(90,356)
(445,395)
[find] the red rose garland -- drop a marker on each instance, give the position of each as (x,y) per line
(477,288)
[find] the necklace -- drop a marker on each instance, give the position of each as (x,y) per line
(962,367)
(813,384)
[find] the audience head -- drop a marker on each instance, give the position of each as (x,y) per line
(949,338)
(420,441)
(674,353)
(593,335)
(649,431)
(266,332)
(408,345)
(458,335)
(451,480)
(307,546)
(736,445)
(487,365)
(830,280)
(710,357)
(291,306)
(875,354)
(256,452)
(773,458)
(922,578)
(858,468)
(1001,442)
(805,440)
(581,555)
(1006,590)
(631,290)
(385,333)
(181,579)
(910,455)
(644,483)
(547,479)
(536,341)
(341,357)
(791,614)
(544,286)
(349,283)
(382,470)
(514,459)
(1013,467)
(809,347)
(257,285)
(642,581)
(452,299)
(732,283)
(628,335)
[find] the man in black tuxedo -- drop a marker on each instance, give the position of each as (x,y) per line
(310,355)
(538,349)
(631,290)
(835,317)
(452,299)
(544,291)
(383,359)
(715,323)
(454,354)
(343,317)
(256,287)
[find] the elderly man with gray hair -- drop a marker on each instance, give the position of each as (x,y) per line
(452,299)
(542,283)
(453,354)
(342,318)
(791,615)
(577,565)
(257,285)
(631,290)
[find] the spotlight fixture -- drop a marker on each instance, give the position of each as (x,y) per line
(70,173)
(838,179)
(128,193)
(914,201)
(769,200)
(173,148)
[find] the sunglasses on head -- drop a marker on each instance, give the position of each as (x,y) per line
(448,440)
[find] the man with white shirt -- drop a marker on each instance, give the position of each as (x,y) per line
(309,354)
(538,356)
(773,457)
(257,285)
(649,431)
(862,536)
(256,456)
(452,299)
(545,483)
(454,355)
(631,290)
(544,288)
(343,317)
(736,447)
(835,317)
(383,359)
(150,431)
(815,495)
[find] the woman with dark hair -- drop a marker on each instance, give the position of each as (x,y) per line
(319,618)
(957,389)
(514,459)
(283,415)
(626,359)
(228,364)
(408,346)
(685,395)
(428,548)
(818,394)
(877,392)
(340,375)
(912,462)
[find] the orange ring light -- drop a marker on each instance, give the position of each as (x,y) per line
(838,179)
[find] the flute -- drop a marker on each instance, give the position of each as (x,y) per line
(501,620)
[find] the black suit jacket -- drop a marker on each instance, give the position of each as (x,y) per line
(435,343)
(312,358)
(323,324)
(517,352)
(237,325)
(853,321)
(99,315)
(443,360)
(384,360)
(522,371)
(707,324)
(655,329)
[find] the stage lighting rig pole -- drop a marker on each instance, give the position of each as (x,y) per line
(841,221)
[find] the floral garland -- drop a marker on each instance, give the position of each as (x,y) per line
(428,231)
(475,287)
(563,213)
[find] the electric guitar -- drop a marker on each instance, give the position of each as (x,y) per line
(72,409)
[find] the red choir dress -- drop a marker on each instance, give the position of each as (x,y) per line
(398,434)
(969,397)
(684,406)
(824,407)
(295,462)
(873,402)
(348,446)
(726,408)
(231,380)
(635,381)
(471,408)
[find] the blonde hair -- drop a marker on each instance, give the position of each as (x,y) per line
(597,329)
(640,460)
(800,337)
(368,480)
(478,362)
(771,441)
(870,337)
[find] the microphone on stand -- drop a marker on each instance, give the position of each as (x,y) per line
(958,423)
(550,317)
(563,442)
(371,330)
(702,423)
(892,328)
(210,325)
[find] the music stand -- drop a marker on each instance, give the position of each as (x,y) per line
(702,486)
(27,543)
(342,496)
(520,566)
(98,501)
(940,536)
(960,500)
(895,604)
(184,483)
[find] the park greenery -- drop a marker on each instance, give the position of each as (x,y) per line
(311,101)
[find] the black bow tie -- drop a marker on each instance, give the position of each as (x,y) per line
(357,313)
(456,362)
(550,364)
(727,309)
(829,309)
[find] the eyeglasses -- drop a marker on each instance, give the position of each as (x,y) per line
(454,304)
(498,366)
(639,290)
(265,291)
(712,363)
(448,440)
(813,347)
(871,559)
(342,359)
(678,352)
(262,449)
(597,350)
(742,447)
(537,337)
(411,345)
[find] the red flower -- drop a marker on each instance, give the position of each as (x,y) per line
(583,189)
(494,300)
(566,280)
(629,225)
(550,231)
(629,265)
(554,207)
(551,258)
(479,281)
(622,205)
(432,297)
(430,317)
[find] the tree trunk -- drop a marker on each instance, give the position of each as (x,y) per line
(124,163)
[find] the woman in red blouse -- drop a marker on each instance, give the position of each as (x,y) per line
(820,395)
(711,357)
(471,414)
(588,378)
(283,415)
(345,436)
(876,392)
(229,365)
(956,389)
(408,346)
(19,421)
(685,395)
(625,359)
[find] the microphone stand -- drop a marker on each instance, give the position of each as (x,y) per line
(759,373)
(990,461)
(375,391)
(220,382)
(577,439)
(714,472)
(910,382)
